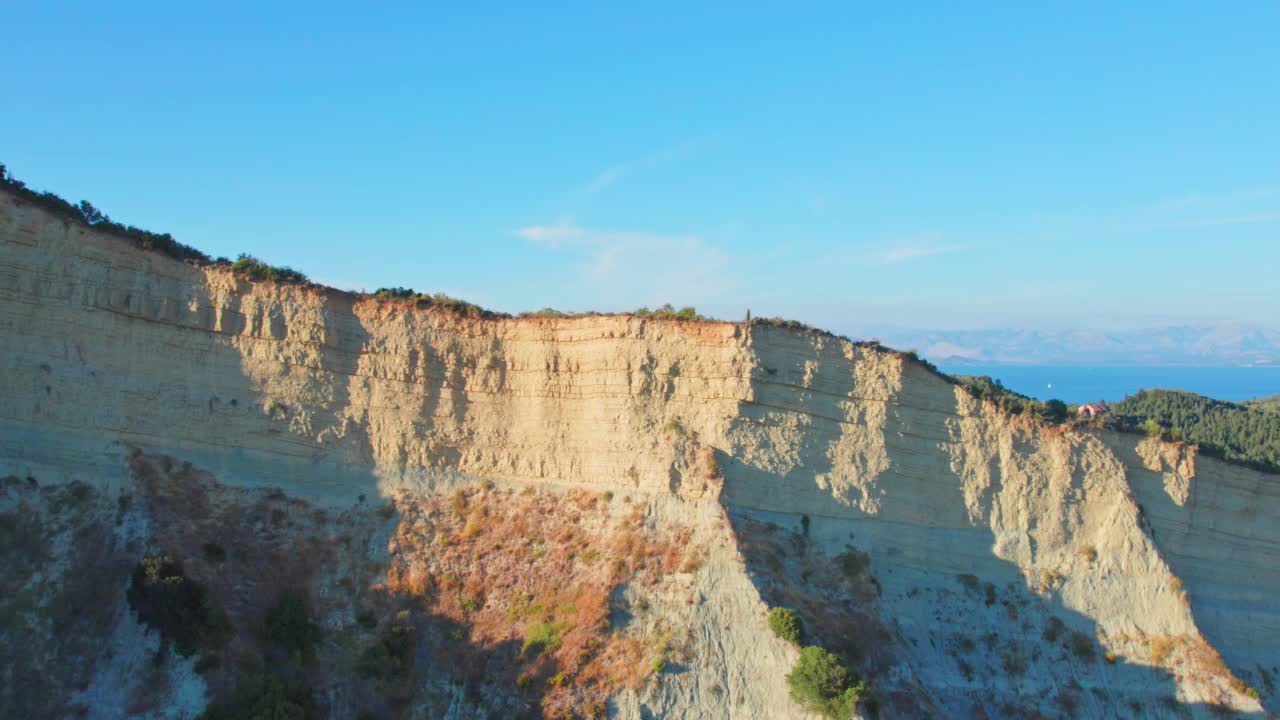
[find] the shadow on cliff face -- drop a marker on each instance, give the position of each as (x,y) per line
(485,602)
(61,566)
(953,628)
(380,652)
(950,645)
(1218,541)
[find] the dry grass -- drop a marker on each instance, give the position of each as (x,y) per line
(529,577)
(1089,553)
(1161,648)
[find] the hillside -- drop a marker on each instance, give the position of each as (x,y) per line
(1271,403)
(1241,433)
(238,496)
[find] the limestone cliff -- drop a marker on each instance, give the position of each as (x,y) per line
(1011,569)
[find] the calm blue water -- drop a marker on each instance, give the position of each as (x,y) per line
(1078,384)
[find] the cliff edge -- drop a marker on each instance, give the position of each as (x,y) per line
(966,562)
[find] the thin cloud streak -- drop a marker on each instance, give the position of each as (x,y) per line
(915,247)
(637,266)
(552,236)
(894,256)
(613,174)
(1201,222)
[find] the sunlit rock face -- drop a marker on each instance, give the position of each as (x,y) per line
(1016,568)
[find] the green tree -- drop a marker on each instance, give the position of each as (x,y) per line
(180,608)
(1055,410)
(289,627)
(1241,433)
(785,623)
(265,697)
(822,684)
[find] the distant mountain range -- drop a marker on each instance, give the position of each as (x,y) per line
(1219,344)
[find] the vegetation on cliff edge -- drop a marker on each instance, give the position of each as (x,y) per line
(89,216)
(1227,430)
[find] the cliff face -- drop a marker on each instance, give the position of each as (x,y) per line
(1017,568)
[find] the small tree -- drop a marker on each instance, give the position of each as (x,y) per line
(1055,410)
(1152,428)
(289,626)
(822,684)
(785,623)
(180,608)
(92,215)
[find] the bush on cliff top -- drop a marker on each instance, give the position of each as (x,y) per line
(438,300)
(89,216)
(256,269)
(668,312)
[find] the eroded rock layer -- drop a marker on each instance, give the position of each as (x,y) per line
(1018,569)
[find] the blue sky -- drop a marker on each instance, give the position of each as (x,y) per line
(929,165)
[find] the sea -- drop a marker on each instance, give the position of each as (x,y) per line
(1081,383)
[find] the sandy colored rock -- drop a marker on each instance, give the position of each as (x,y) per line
(333,397)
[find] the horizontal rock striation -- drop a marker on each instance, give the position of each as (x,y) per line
(335,397)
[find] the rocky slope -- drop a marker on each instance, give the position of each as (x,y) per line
(414,474)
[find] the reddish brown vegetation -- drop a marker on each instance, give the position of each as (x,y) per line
(510,593)
(530,577)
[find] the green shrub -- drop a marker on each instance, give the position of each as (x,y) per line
(439,300)
(658,665)
(1244,434)
(545,312)
(258,270)
(668,312)
(181,609)
(1053,628)
(542,637)
(1055,411)
(87,215)
(289,627)
(821,683)
(984,387)
(391,657)
(853,562)
(214,553)
(1081,645)
(266,697)
(785,623)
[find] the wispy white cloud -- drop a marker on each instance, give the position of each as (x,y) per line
(1248,219)
(607,178)
(613,174)
(563,231)
(1199,200)
(896,255)
(916,247)
(635,267)
(1243,206)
